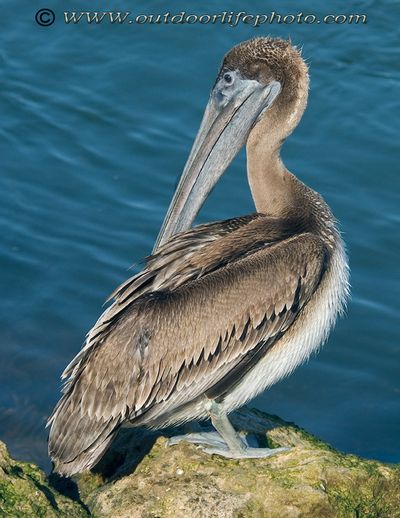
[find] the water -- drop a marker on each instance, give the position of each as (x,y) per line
(97,122)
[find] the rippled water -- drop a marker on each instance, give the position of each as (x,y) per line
(96,124)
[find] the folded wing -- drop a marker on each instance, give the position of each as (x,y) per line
(208,305)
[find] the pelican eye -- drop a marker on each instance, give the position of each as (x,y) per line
(228,78)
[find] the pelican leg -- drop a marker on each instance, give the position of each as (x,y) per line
(235,446)
(226,441)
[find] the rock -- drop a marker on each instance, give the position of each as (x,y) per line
(25,492)
(310,480)
(141,478)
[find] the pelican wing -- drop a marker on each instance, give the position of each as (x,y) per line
(166,348)
(185,257)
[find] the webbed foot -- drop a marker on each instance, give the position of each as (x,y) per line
(214,444)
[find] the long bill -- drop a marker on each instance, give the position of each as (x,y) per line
(223,131)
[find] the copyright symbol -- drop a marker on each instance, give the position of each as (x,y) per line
(45,17)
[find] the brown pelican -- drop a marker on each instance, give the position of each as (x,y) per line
(223,310)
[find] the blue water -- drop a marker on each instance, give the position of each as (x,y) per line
(96,124)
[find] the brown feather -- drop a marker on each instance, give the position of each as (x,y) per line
(167,348)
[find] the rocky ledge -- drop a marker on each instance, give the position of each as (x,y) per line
(141,478)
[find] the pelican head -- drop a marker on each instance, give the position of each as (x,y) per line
(261,89)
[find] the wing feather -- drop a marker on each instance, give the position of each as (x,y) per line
(154,351)
(205,329)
